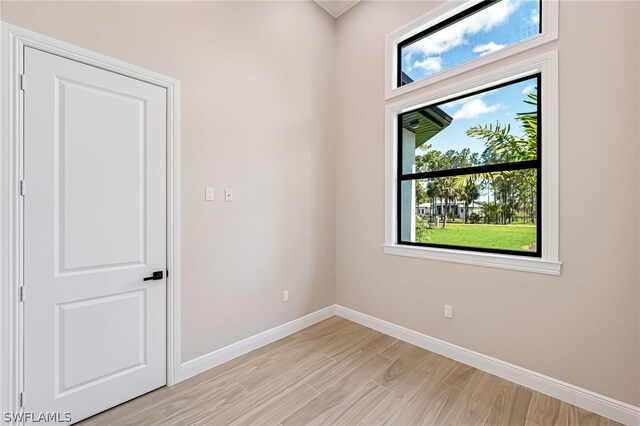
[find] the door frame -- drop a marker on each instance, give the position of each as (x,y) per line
(13,40)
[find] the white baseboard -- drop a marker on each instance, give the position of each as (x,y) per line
(212,359)
(599,404)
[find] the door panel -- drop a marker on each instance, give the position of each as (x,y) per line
(95,226)
(92,142)
(86,330)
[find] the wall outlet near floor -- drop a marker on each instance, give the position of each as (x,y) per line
(448,311)
(285,296)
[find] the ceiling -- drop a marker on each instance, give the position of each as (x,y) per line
(336,7)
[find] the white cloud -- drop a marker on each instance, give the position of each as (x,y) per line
(407,59)
(455,34)
(535,16)
(463,101)
(483,49)
(474,108)
(527,89)
(429,64)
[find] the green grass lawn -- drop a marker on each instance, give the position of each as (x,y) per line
(507,237)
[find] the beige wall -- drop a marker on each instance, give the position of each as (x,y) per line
(581,327)
(257,117)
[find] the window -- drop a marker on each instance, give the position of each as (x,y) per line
(481,29)
(478,154)
(472,169)
(461,36)
(472,162)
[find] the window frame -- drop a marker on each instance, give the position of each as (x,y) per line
(545,64)
(438,17)
(511,166)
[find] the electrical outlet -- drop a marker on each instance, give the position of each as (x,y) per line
(448,311)
(228,195)
(209,193)
(285,296)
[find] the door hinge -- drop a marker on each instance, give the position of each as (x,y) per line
(167,273)
(21,399)
(22,293)
(23,189)
(23,82)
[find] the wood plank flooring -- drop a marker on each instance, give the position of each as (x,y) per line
(340,373)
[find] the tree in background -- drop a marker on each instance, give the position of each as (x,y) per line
(470,191)
(513,191)
(503,147)
(446,190)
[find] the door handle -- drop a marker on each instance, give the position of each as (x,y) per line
(158,275)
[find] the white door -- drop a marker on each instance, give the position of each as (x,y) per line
(94,228)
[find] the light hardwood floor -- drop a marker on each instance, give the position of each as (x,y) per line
(339,372)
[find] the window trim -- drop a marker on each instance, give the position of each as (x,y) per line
(549,26)
(545,64)
(519,165)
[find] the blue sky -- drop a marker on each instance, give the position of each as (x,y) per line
(494,105)
(491,29)
(499,25)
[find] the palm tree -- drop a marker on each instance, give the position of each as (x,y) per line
(449,193)
(501,146)
(513,188)
(469,192)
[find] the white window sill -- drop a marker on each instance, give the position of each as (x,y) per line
(491,260)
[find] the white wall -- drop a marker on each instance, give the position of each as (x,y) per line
(257,81)
(582,327)
(259,116)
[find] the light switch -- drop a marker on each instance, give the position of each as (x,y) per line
(228,195)
(209,193)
